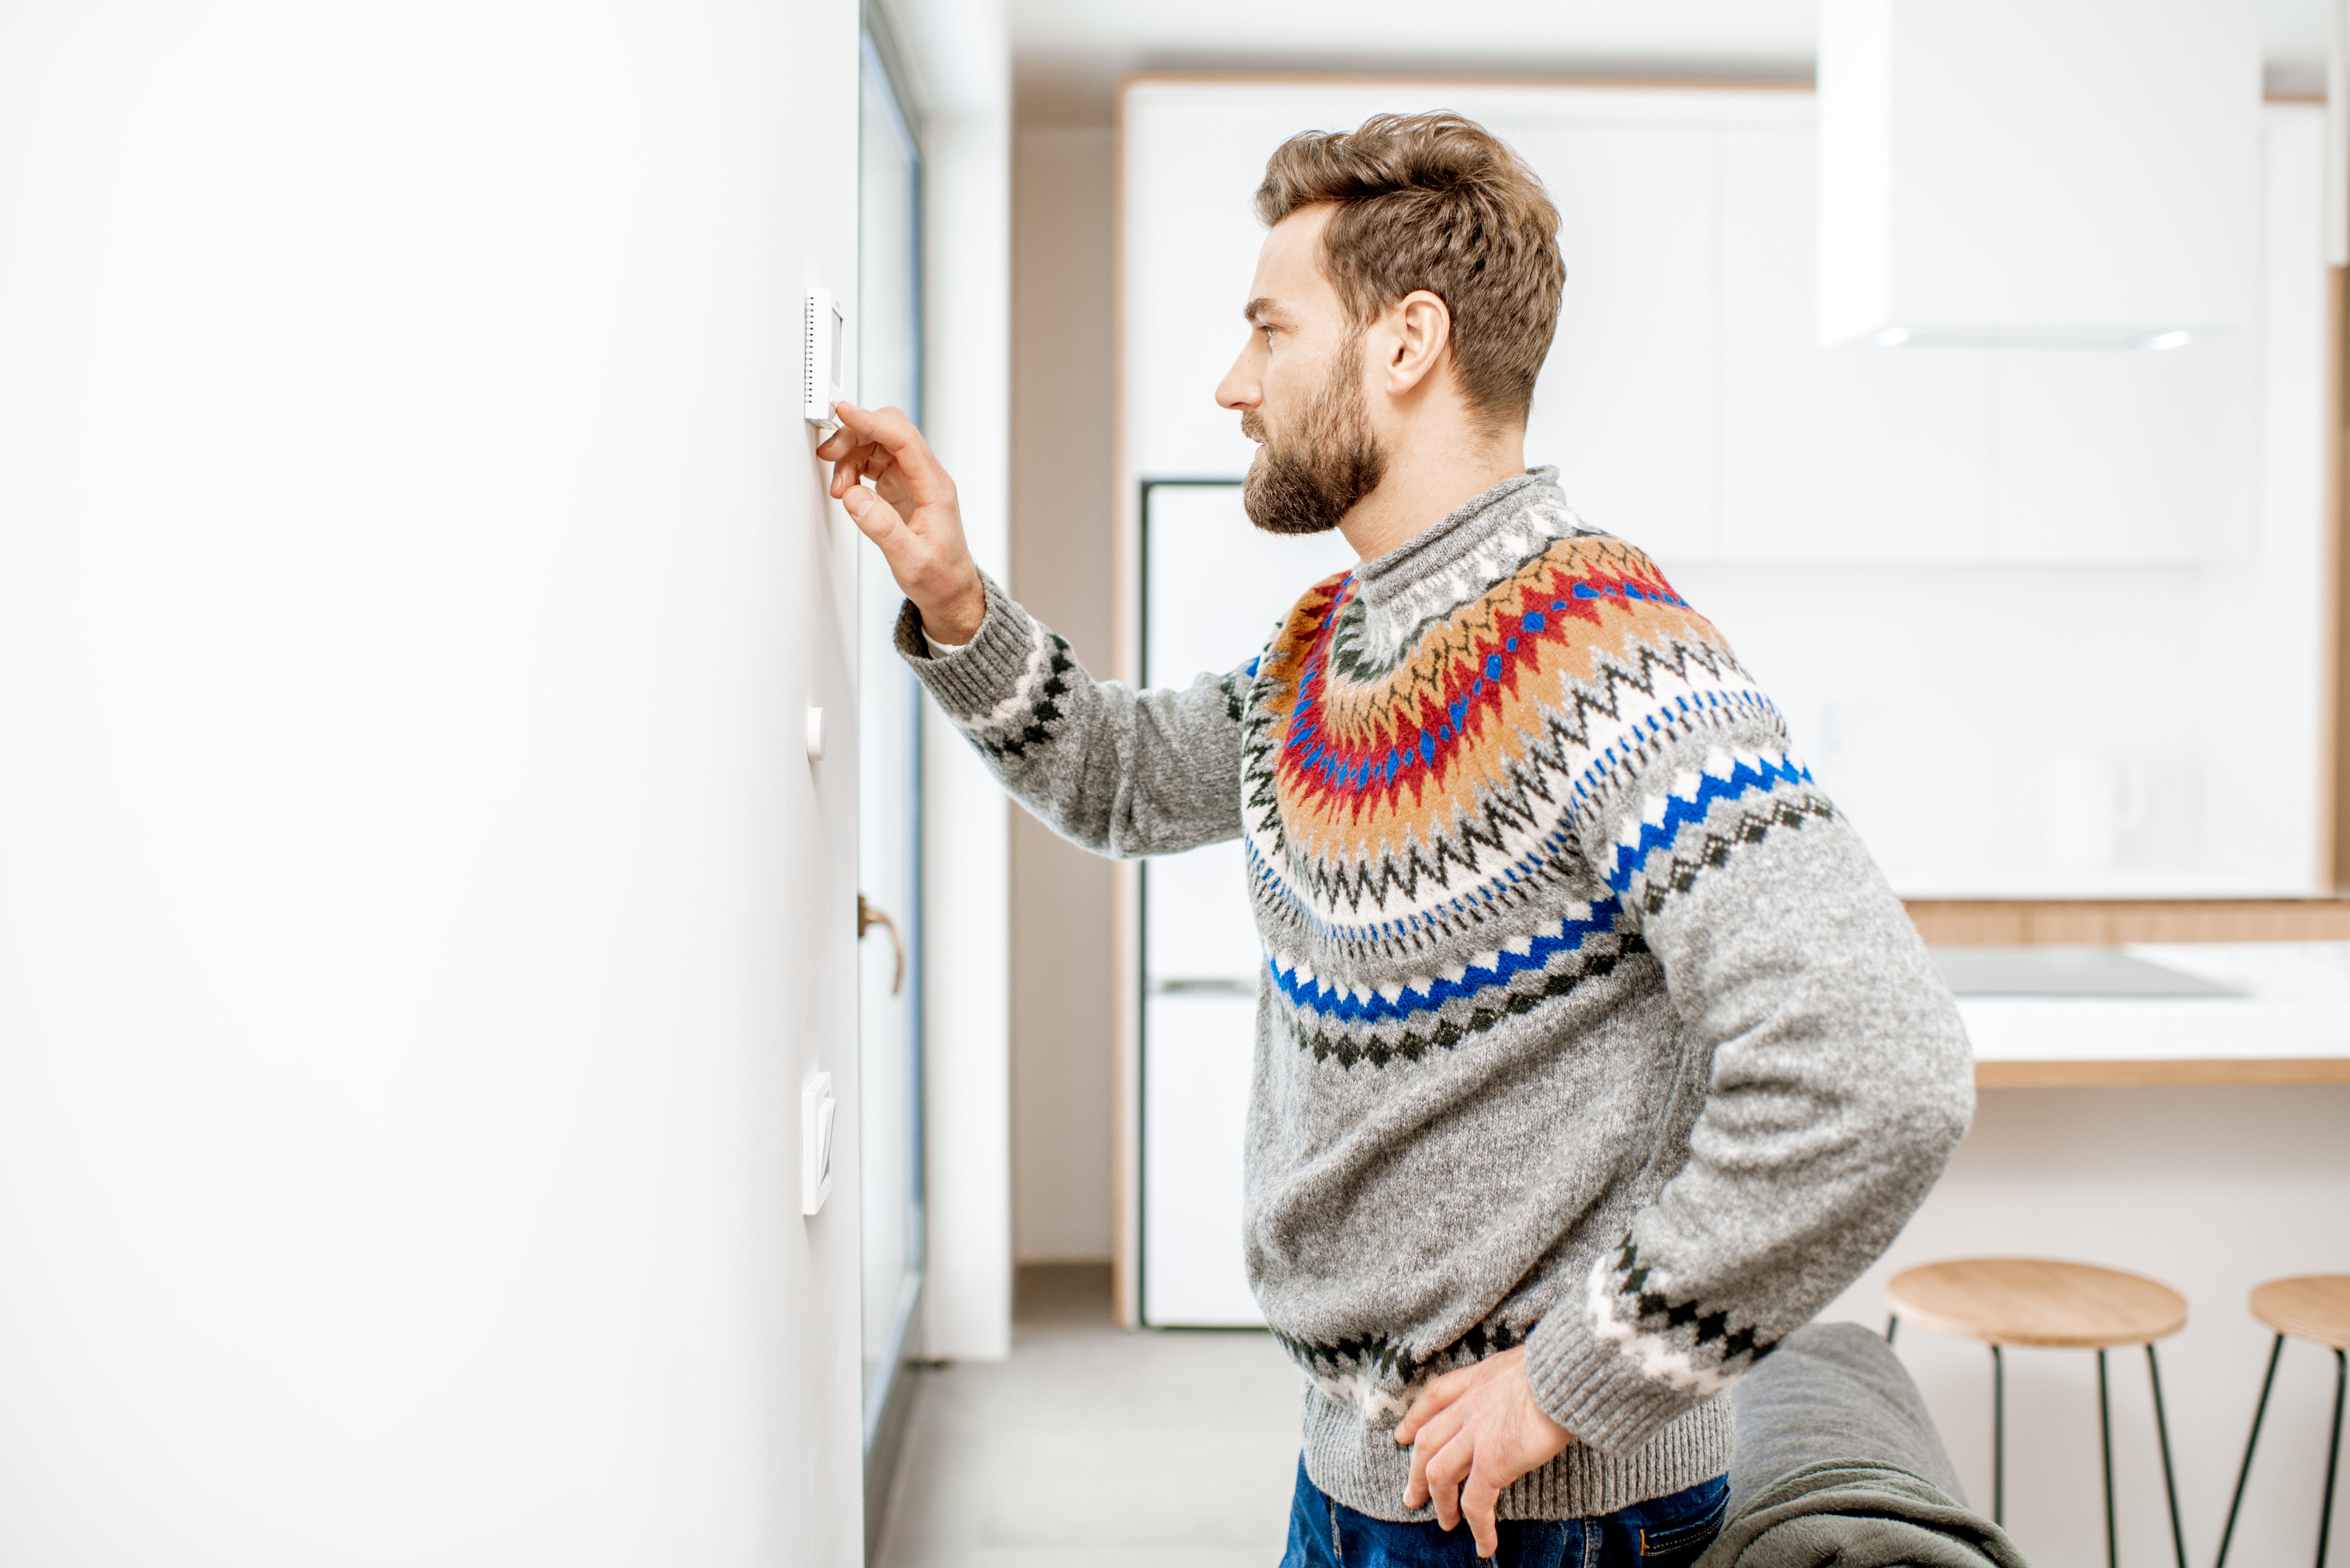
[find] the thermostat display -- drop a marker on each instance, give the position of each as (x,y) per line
(826,373)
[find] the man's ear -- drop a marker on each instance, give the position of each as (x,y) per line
(1419,331)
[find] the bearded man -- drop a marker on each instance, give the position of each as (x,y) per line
(1594,1054)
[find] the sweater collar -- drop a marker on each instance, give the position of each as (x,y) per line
(1530,504)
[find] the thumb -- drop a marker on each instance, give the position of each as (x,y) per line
(875,518)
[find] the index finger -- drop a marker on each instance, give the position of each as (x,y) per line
(1431,1399)
(895,434)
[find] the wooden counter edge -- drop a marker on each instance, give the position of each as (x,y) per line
(2136,1074)
(2107,922)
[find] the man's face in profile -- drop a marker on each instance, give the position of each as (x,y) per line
(1299,388)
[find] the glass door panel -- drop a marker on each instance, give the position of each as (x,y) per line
(889,371)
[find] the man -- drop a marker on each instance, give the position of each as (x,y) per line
(1594,1054)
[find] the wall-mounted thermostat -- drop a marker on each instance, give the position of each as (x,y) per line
(825,370)
(817,1110)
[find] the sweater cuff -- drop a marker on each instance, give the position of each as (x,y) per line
(1595,1389)
(973,679)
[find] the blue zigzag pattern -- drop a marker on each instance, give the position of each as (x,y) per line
(1738,704)
(1744,780)
(1346,1007)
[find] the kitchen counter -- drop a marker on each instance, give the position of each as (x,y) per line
(2289,1025)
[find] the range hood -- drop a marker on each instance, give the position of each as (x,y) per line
(2048,173)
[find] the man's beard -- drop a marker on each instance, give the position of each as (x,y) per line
(1308,481)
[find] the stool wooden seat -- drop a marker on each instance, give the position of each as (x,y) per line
(2315,1308)
(2056,1304)
(2037,1302)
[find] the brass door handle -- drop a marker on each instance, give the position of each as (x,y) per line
(869,916)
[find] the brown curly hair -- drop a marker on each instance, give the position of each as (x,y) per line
(1435,201)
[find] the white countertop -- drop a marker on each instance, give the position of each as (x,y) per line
(2292,1026)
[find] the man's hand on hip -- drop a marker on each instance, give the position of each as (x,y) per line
(910,513)
(1473,1431)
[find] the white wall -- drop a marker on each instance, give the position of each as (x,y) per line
(1064,538)
(418,914)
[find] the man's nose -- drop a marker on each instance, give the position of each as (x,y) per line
(1239,388)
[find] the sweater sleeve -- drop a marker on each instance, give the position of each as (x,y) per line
(1120,771)
(1840,1077)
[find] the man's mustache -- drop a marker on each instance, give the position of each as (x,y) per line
(1251,426)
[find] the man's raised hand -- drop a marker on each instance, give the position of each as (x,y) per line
(910,512)
(1473,1432)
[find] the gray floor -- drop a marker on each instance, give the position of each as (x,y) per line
(1096,1448)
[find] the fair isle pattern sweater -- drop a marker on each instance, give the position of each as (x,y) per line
(1585,1023)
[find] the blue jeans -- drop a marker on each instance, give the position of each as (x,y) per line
(1663,1532)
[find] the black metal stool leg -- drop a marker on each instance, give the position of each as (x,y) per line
(2162,1432)
(2258,1411)
(2333,1454)
(1997,1438)
(2106,1439)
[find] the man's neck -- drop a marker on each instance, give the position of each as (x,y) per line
(1421,489)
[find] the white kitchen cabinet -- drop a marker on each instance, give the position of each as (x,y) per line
(1198,1045)
(1628,404)
(2123,456)
(1831,454)
(1685,400)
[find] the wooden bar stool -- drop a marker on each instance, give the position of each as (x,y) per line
(2067,1306)
(2315,1307)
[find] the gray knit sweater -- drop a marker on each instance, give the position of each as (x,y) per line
(1586,1022)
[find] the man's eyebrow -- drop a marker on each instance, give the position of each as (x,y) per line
(1254,311)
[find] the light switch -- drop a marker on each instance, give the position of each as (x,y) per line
(817,1109)
(815,734)
(824,367)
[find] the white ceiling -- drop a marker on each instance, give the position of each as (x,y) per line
(1069,54)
